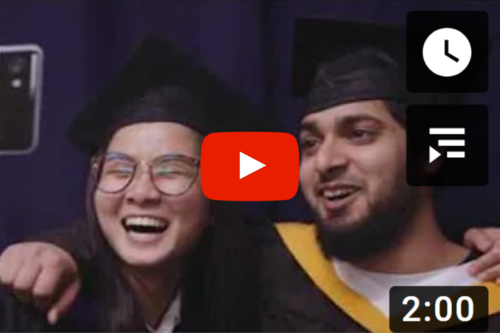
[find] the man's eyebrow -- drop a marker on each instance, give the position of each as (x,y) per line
(349,120)
(356,118)
(309,126)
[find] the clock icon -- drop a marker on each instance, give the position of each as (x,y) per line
(447,52)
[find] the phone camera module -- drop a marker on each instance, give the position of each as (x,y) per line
(17,65)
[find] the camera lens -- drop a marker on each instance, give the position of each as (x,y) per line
(17,65)
(16,83)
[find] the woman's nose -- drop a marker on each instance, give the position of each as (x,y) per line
(142,188)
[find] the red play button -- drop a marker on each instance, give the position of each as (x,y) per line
(250,166)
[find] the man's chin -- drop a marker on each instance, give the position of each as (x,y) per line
(340,224)
(357,233)
(357,240)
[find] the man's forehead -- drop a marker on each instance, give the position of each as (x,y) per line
(375,110)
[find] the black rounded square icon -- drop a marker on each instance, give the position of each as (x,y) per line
(439,309)
(447,51)
(447,145)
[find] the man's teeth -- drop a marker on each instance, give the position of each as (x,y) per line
(337,194)
(144,224)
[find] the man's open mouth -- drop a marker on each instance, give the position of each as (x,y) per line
(339,193)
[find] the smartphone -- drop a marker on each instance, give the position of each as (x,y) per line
(20,98)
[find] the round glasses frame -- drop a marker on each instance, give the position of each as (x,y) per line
(98,163)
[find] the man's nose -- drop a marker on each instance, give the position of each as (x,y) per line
(331,158)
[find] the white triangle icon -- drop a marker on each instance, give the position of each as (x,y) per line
(249,165)
(433,154)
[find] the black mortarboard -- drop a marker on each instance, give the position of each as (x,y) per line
(337,62)
(159,83)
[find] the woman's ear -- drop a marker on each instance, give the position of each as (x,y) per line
(95,162)
(211,220)
(212,216)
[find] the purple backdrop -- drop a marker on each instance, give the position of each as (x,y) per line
(246,42)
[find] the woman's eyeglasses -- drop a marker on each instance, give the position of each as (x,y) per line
(171,174)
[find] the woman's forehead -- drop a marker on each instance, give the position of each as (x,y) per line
(153,139)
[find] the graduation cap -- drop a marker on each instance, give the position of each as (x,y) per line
(159,83)
(336,62)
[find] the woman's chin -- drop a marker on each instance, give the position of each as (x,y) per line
(145,259)
(146,256)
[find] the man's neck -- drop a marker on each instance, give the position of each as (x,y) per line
(154,289)
(422,248)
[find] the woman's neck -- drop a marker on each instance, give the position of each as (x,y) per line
(155,289)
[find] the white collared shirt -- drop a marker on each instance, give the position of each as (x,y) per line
(171,318)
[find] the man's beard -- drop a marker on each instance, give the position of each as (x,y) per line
(376,233)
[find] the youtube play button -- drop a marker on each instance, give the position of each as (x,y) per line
(250,166)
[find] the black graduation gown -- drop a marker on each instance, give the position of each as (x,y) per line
(85,315)
(16,316)
(297,294)
(301,292)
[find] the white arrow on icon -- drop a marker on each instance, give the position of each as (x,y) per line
(249,165)
(433,154)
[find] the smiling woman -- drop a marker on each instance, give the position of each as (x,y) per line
(150,217)
(155,253)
